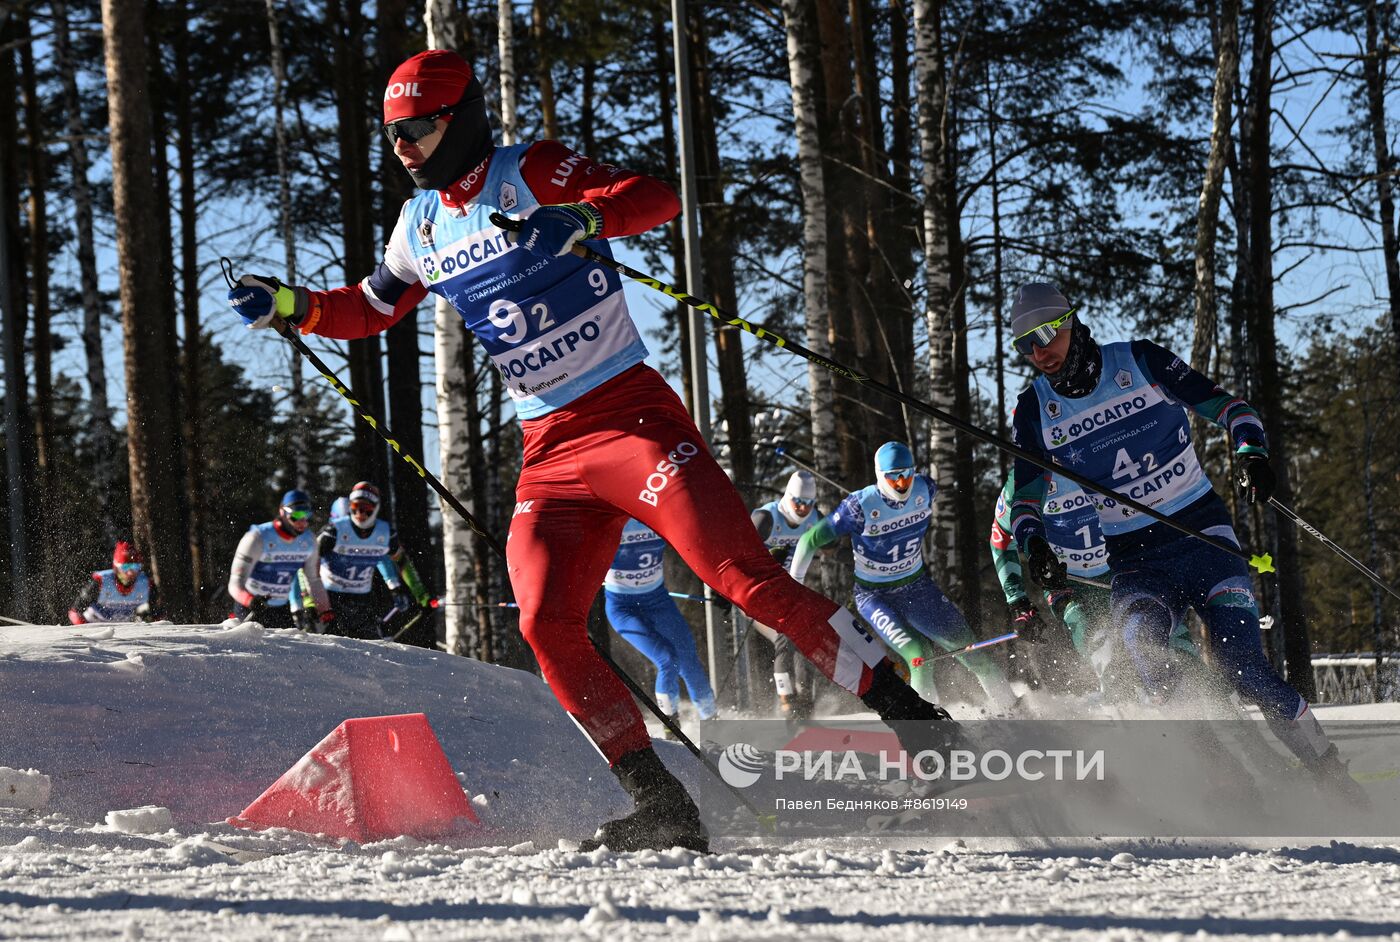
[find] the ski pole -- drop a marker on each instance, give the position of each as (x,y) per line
(738,649)
(1263,563)
(806,467)
(1363,569)
(999,639)
(391,614)
(375,423)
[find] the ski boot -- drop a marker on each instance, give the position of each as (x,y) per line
(666,816)
(666,730)
(1332,776)
(920,725)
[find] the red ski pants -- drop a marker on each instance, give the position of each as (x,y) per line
(629,449)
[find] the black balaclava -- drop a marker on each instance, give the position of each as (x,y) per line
(1079,374)
(465,143)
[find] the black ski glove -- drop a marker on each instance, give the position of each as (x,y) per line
(1026,622)
(1045,567)
(1254,475)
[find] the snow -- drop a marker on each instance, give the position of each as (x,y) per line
(121,746)
(24,788)
(148,819)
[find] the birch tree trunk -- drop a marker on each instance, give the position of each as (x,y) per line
(802,71)
(1375,70)
(151,421)
(104,436)
(929,84)
(1227,64)
(505,43)
(449,348)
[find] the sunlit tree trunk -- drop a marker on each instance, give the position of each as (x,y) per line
(505,44)
(1267,398)
(802,64)
(539,30)
(151,420)
(453,407)
(1208,206)
(929,84)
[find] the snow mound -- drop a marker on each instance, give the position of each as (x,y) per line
(199,720)
(149,819)
(24,788)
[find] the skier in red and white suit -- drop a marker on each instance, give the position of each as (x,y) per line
(605,436)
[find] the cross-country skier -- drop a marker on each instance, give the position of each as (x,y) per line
(352,547)
(1072,529)
(642,611)
(780,524)
(122,593)
(267,561)
(886,522)
(605,437)
(1116,413)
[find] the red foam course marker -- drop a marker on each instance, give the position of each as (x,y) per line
(371,779)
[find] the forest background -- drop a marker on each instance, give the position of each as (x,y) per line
(873,178)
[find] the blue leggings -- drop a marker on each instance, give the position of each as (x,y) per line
(1152,589)
(651,623)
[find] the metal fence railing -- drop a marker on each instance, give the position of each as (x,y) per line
(1351,678)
